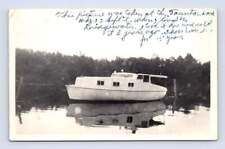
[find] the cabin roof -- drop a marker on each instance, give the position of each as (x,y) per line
(158,76)
(128,74)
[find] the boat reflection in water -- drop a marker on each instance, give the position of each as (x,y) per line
(130,115)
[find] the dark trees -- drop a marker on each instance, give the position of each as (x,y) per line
(46,74)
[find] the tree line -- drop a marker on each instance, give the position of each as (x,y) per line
(45,75)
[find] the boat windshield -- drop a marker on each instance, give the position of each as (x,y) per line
(158,81)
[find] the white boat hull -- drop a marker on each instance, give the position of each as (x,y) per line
(81,93)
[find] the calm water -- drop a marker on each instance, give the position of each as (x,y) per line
(115,118)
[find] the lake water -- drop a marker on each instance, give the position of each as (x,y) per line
(151,118)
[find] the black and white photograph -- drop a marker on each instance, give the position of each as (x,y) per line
(113,74)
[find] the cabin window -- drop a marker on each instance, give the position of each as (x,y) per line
(146,78)
(129,119)
(116,83)
(130,84)
(140,77)
(100,82)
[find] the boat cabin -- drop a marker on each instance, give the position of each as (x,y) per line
(119,86)
(123,80)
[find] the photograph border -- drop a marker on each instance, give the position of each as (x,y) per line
(15,137)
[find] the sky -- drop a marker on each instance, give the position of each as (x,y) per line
(40,30)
